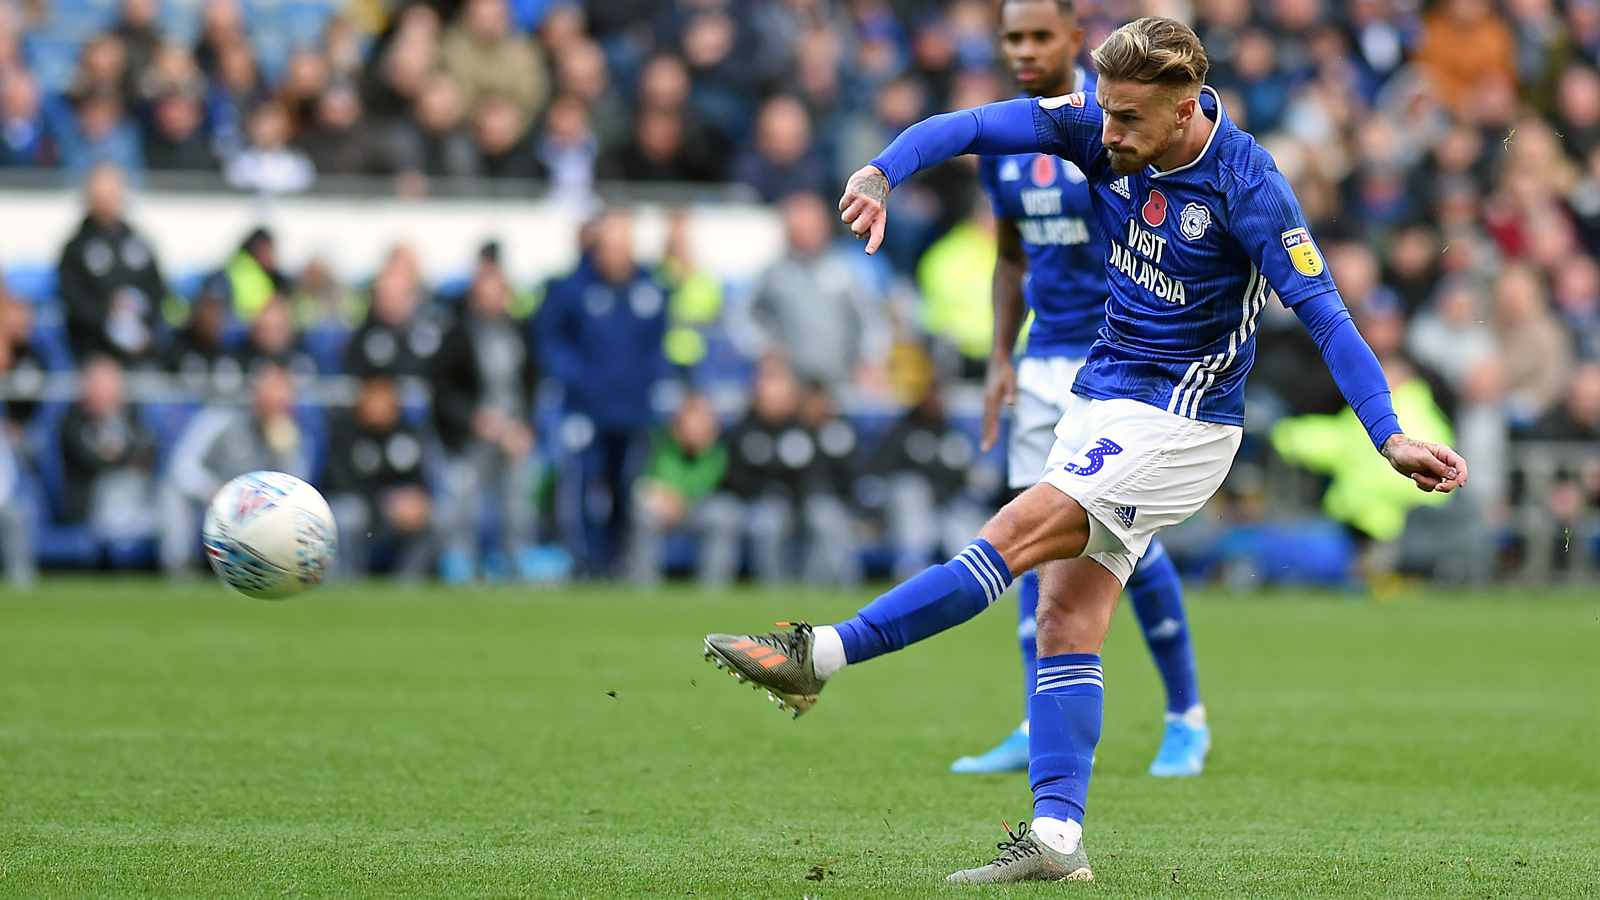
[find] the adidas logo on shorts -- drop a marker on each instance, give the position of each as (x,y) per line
(1125,515)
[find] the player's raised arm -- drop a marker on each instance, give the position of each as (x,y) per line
(1272,229)
(1011,126)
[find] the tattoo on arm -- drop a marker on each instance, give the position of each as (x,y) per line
(873,184)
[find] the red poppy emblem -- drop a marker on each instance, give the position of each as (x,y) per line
(1155,209)
(1044,170)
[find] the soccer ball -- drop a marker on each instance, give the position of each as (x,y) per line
(270,535)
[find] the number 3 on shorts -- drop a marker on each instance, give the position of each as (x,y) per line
(1096,456)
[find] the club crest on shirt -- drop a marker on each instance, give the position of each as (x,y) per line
(1044,170)
(1193,221)
(1302,252)
(1063,100)
(1010,171)
(1154,212)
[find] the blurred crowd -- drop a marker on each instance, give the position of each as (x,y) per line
(1447,155)
(486,432)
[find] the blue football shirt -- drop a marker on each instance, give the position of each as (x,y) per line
(1049,200)
(1190,255)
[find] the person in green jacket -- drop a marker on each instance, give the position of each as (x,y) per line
(687,461)
(1372,499)
(954,277)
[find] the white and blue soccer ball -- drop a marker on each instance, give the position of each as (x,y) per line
(270,535)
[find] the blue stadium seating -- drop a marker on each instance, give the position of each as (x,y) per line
(1309,551)
(325,343)
(57,545)
(301,21)
(187,284)
(36,284)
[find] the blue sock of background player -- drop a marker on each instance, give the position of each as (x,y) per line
(1157,597)
(1159,604)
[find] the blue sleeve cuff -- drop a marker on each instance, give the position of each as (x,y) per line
(996,128)
(1351,362)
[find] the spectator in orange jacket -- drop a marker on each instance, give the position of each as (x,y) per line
(1467,49)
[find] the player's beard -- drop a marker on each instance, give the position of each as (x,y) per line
(1126,162)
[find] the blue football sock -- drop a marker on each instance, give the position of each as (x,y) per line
(937,598)
(1063,728)
(1027,634)
(1157,597)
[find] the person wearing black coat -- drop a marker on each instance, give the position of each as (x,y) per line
(107,459)
(926,464)
(401,333)
(832,553)
(376,486)
(770,454)
(197,354)
(485,378)
(109,281)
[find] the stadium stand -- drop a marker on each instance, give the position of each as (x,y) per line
(1458,199)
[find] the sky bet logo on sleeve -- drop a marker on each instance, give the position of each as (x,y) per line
(1302,252)
(1063,100)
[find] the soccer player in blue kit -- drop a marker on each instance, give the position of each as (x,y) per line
(1052,262)
(1199,224)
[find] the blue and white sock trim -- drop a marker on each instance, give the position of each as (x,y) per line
(1052,677)
(987,566)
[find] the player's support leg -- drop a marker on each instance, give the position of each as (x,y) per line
(1011,754)
(1065,716)
(1157,597)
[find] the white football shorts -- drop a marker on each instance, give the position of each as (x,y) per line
(1136,469)
(1044,390)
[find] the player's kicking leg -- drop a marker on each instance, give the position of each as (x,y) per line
(792,666)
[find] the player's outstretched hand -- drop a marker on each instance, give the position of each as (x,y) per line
(999,389)
(865,205)
(1434,467)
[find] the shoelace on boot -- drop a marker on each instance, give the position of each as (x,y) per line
(791,643)
(1019,847)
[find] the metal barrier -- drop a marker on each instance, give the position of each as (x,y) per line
(164,387)
(1552,474)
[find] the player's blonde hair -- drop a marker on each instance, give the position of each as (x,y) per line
(1153,50)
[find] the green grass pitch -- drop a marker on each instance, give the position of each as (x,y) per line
(181,741)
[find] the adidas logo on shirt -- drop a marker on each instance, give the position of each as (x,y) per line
(1125,515)
(1009,171)
(1121,187)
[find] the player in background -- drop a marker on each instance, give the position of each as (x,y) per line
(1198,223)
(1052,262)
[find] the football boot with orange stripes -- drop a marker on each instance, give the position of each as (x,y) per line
(779,662)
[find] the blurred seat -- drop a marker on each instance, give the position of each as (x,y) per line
(57,545)
(325,343)
(34,283)
(50,338)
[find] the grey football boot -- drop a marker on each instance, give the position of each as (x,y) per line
(779,661)
(1026,858)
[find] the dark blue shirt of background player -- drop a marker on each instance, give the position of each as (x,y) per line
(601,338)
(1047,199)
